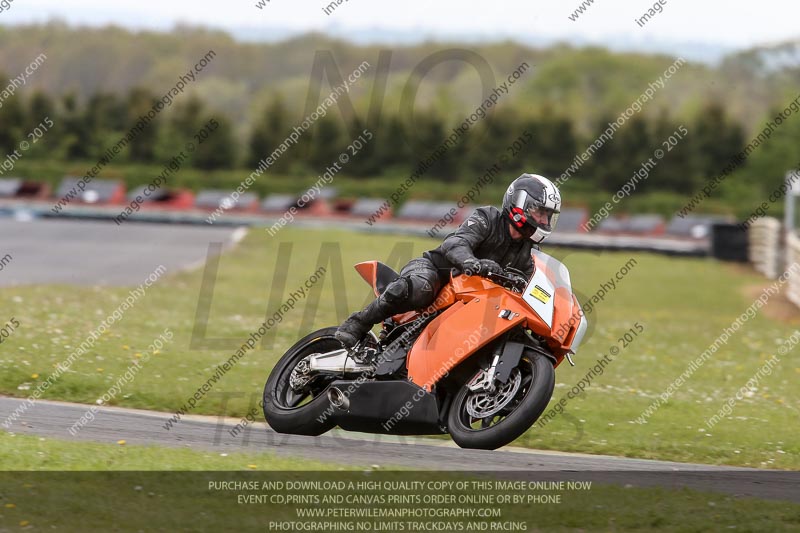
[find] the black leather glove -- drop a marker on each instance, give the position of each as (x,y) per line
(480,267)
(490,267)
(471,267)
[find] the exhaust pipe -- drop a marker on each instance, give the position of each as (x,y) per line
(338,399)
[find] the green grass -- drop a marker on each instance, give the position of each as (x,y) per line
(23,452)
(136,500)
(684,304)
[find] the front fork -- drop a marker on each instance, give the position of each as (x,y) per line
(505,358)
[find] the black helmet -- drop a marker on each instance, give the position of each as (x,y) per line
(532,204)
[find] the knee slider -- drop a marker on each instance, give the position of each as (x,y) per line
(396,291)
(422,292)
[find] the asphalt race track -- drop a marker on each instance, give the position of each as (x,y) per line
(52,419)
(79,252)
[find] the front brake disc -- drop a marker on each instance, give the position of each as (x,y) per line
(485,404)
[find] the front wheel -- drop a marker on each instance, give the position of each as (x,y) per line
(488,420)
(293,403)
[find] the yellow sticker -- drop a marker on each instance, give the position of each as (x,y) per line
(540,294)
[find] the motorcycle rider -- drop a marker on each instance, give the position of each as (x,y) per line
(488,239)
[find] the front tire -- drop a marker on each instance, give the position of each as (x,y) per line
(308,412)
(533,393)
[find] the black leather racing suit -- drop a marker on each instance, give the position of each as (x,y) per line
(484,235)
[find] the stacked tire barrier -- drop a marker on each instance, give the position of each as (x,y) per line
(764,246)
(792,257)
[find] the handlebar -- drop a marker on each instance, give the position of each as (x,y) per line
(500,277)
(512,277)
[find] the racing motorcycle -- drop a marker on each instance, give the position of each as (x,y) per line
(478,363)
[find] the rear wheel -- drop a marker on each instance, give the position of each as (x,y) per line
(294,402)
(488,420)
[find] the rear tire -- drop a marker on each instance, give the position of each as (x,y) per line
(534,399)
(312,418)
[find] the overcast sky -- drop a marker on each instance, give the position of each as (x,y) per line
(731,23)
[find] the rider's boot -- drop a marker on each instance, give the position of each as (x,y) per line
(358,324)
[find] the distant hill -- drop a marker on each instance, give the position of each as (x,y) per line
(586,83)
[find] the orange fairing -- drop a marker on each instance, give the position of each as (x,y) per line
(574,322)
(469,324)
(477,311)
(562,314)
(445,298)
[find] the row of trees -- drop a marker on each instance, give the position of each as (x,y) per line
(85,132)
(546,143)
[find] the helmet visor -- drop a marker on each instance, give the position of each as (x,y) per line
(535,214)
(543,217)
